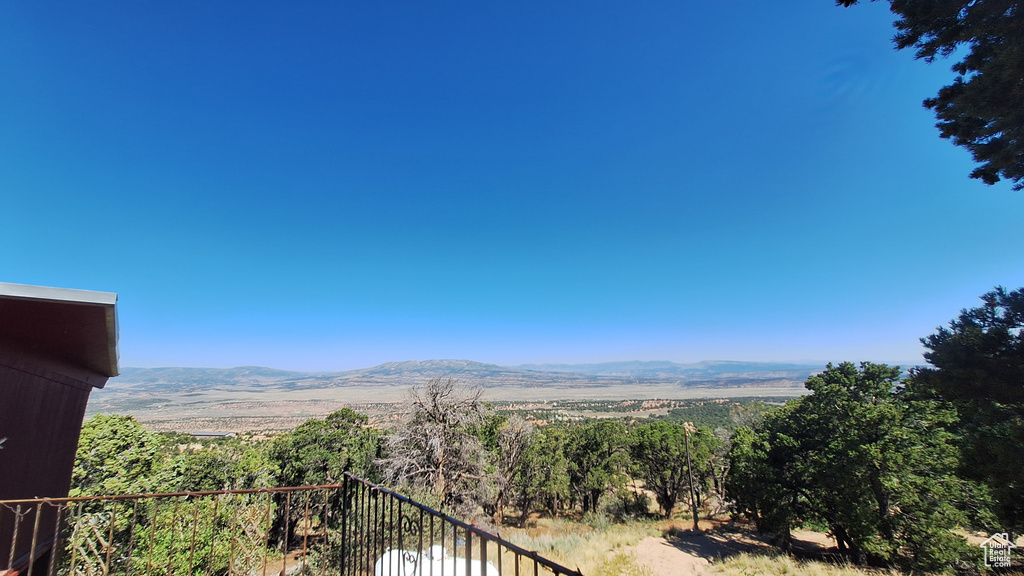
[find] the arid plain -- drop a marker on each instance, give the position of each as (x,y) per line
(254,399)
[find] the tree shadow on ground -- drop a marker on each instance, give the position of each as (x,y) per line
(716,544)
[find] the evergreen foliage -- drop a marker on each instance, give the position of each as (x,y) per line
(977,364)
(983,109)
(659,458)
(116,455)
(320,451)
(863,458)
(719,414)
(541,479)
(598,457)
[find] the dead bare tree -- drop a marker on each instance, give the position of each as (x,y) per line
(434,449)
(513,438)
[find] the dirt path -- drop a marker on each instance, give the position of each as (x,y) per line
(662,557)
(688,553)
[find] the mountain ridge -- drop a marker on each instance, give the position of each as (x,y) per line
(411,372)
(661,369)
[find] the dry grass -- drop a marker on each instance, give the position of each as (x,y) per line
(611,550)
(781,565)
(602,552)
(622,564)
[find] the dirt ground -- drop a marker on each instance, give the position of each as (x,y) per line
(690,553)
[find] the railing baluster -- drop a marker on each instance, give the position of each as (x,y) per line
(77,515)
(35,538)
(365,538)
(383,530)
(192,540)
(444,545)
(213,536)
(483,557)
(131,536)
(431,543)
(386,532)
(231,539)
(55,550)
(379,531)
(326,555)
(152,535)
(368,531)
(14,537)
(359,537)
(307,524)
(266,531)
(284,540)
(170,552)
(371,529)
(110,540)
(388,528)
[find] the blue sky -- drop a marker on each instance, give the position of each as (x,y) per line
(330,185)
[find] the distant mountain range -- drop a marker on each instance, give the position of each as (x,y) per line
(714,374)
(667,370)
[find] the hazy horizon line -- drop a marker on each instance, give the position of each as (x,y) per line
(804,362)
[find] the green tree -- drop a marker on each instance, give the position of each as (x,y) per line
(768,477)
(977,364)
(217,466)
(983,109)
(863,457)
(658,453)
(206,468)
(542,475)
(598,457)
(116,455)
(321,451)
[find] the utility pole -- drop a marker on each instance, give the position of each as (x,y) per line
(689,469)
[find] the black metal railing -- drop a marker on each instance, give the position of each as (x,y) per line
(355,528)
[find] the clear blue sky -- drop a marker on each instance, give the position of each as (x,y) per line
(330,185)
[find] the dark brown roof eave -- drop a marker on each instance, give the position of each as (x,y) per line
(76,327)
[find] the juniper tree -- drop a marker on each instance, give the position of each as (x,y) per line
(658,452)
(863,457)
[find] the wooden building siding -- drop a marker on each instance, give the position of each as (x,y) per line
(41,414)
(41,419)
